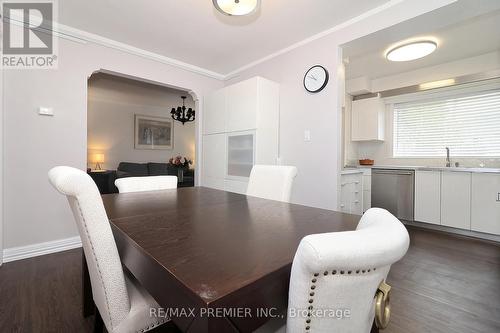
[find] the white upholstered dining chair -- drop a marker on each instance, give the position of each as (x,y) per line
(149,183)
(122,302)
(273,182)
(343,274)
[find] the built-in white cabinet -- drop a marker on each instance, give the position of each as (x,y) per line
(242,104)
(240,154)
(485,214)
(456,199)
(367,119)
(351,193)
(428,196)
(245,118)
(213,164)
(214,113)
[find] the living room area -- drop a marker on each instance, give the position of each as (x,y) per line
(137,128)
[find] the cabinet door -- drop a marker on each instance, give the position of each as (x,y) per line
(214,112)
(428,196)
(236,186)
(455,199)
(240,154)
(214,157)
(485,203)
(367,122)
(241,105)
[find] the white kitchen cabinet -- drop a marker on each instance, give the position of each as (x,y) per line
(214,157)
(485,210)
(214,113)
(456,199)
(247,116)
(367,188)
(428,196)
(351,193)
(367,119)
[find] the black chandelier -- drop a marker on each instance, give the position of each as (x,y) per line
(180,114)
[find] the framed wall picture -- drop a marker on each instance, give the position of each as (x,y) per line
(153,132)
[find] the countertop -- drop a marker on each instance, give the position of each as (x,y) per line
(425,168)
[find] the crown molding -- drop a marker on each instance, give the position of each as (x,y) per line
(317,36)
(80,36)
(67,31)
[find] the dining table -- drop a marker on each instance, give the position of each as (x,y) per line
(215,261)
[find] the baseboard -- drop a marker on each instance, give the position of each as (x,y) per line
(455,231)
(35,250)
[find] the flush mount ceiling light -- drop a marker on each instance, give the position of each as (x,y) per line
(236,7)
(411,51)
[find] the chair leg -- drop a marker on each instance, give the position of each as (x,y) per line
(88,305)
(98,323)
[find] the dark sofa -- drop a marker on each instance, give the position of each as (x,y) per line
(129,169)
(106,180)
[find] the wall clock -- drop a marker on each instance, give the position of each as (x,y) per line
(316,79)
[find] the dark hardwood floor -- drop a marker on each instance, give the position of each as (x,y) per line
(444,284)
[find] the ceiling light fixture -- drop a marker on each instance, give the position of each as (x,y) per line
(236,7)
(411,51)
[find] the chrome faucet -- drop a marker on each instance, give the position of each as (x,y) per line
(448,162)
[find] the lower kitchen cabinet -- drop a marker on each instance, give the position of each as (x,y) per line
(485,213)
(351,193)
(428,196)
(456,199)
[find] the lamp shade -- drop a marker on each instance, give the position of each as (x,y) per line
(236,7)
(98,158)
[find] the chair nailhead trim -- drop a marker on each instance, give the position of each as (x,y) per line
(313,287)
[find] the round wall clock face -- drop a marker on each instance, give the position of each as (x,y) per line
(316,79)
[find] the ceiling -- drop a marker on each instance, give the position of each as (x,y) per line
(194,32)
(462,30)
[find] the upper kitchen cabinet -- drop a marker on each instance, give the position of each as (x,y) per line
(485,213)
(367,123)
(214,113)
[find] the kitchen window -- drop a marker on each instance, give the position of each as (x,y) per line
(469,124)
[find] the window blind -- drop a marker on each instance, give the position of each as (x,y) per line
(468,124)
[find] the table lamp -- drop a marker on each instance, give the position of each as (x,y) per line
(98,159)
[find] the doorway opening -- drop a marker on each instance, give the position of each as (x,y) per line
(131,131)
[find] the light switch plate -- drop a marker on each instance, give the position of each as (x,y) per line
(307,135)
(45,111)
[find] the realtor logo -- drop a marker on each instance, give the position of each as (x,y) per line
(28,40)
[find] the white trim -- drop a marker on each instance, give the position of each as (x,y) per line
(35,250)
(322,34)
(81,36)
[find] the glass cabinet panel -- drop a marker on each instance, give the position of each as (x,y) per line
(240,154)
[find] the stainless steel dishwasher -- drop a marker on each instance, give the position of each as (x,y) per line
(394,190)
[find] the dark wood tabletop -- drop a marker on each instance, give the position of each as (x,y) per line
(200,248)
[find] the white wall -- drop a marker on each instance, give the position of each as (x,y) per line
(319,160)
(34,212)
(381,152)
(112,105)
